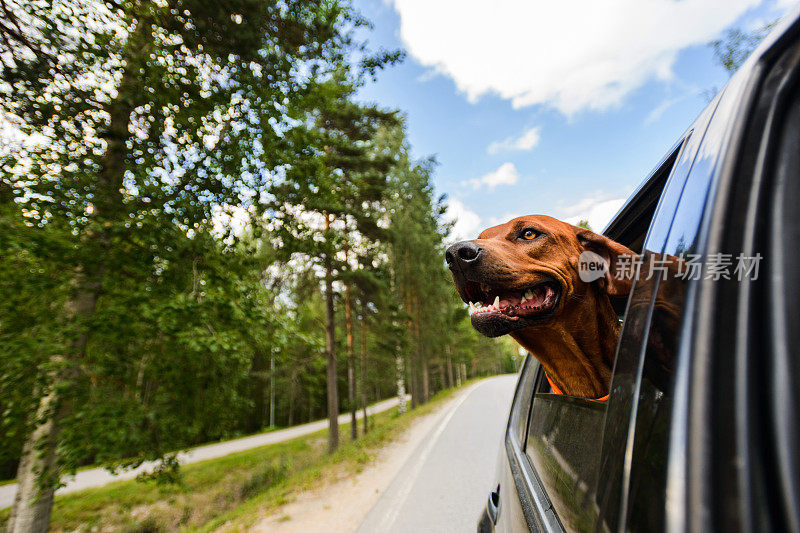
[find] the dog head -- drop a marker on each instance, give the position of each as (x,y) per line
(533,271)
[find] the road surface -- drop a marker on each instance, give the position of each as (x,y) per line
(446,481)
(97,477)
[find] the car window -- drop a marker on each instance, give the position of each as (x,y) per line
(646,490)
(565,434)
(563,448)
(621,419)
(518,420)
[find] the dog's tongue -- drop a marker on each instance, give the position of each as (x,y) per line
(540,296)
(509,301)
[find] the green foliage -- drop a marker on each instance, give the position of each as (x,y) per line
(143,129)
(734,48)
(263,478)
(145,120)
(167,472)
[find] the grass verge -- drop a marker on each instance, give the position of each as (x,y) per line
(236,488)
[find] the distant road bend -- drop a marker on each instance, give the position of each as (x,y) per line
(97,477)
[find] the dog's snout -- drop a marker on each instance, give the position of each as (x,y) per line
(465,253)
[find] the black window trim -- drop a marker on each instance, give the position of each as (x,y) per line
(536,507)
(701,392)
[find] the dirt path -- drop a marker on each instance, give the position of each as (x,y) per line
(341,506)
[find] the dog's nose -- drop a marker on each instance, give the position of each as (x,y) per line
(465,253)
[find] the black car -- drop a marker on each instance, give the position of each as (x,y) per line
(701,430)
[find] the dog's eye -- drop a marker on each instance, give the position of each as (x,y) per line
(528,234)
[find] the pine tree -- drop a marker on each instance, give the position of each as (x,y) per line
(330,194)
(143,119)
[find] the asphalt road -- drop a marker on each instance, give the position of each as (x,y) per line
(444,485)
(97,477)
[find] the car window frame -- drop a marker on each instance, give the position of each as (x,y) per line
(534,500)
(700,425)
(535,504)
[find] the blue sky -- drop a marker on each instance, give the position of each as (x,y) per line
(561,108)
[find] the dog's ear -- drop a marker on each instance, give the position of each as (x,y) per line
(617,280)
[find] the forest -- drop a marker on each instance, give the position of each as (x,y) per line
(204,233)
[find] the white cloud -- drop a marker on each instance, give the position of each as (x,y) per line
(596,210)
(496,221)
(660,109)
(467,222)
(573,55)
(506,174)
(526,141)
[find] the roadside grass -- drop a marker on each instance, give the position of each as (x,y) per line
(230,437)
(229,491)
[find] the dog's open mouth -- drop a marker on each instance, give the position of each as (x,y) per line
(496,311)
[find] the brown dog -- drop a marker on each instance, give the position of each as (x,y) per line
(522,278)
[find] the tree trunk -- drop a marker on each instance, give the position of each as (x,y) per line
(414,383)
(426,377)
(330,350)
(292,387)
(32,504)
(401,384)
(413,357)
(38,471)
(450,381)
(272,391)
(351,360)
(363,380)
(423,378)
(310,404)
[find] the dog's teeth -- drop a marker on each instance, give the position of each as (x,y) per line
(529,295)
(496,302)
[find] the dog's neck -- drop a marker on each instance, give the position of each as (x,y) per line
(577,351)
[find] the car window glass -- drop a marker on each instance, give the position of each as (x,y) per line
(522,400)
(657,234)
(563,448)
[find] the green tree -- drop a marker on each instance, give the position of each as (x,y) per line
(437,346)
(144,119)
(327,195)
(735,47)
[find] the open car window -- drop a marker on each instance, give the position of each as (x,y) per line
(565,434)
